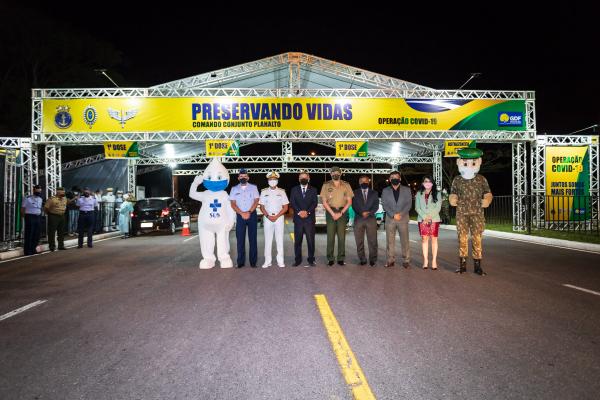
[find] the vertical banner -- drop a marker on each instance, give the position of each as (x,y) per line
(351,149)
(222,148)
(567,183)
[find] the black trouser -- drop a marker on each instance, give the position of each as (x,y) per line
(304,227)
(56,223)
(33,226)
(86,223)
(368,225)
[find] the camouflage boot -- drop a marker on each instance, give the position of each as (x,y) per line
(462,266)
(478,270)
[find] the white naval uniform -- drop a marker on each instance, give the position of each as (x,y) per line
(273,201)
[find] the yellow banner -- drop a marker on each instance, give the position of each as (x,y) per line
(264,114)
(567,183)
(451,146)
(222,148)
(351,149)
(121,150)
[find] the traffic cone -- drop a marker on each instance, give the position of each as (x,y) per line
(186,229)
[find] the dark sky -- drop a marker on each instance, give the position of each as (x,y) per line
(515,48)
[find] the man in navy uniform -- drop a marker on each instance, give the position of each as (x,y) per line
(87,205)
(304,201)
(31,208)
(365,204)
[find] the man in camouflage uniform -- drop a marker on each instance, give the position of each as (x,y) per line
(470,194)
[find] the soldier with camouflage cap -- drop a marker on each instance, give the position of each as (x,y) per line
(273,204)
(470,194)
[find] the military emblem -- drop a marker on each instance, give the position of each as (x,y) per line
(63,118)
(122,116)
(90,116)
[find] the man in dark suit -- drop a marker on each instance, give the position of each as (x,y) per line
(303,199)
(365,204)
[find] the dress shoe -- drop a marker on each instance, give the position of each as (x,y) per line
(253,266)
(406,265)
(478,270)
(372,263)
(240,266)
(62,248)
(363,263)
(462,266)
(312,264)
(52,249)
(341,263)
(296,263)
(389,265)
(330,263)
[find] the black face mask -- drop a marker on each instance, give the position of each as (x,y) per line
(243,181)
(364,186)
(86,194)
(395,182)
(304,182)
(37,193)
(336,177)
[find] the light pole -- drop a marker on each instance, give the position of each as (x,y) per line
(102,71)
(473,76)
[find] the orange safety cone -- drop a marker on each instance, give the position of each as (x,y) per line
(186,229)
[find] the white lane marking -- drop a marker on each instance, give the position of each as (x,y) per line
(57,251)
(582,289)
(190,238)
(20,310)
(545,244)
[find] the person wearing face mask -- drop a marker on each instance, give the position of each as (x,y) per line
(273,204)
(86,204)
(55,208)
(31,209)
(428,203)
(336,195)
(470,194)
(365,204)
(244,200)
(118,201)
(304,201)
(397,201)
(108,209)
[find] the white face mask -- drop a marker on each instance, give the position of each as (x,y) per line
(468,172)
(273,182)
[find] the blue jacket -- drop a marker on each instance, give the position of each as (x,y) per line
(307,203)
(430,208)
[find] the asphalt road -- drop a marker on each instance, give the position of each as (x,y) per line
(137,319)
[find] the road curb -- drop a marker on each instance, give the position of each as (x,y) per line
(7,255)
(567,244)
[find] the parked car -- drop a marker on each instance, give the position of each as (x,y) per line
(157,214)
(379,215)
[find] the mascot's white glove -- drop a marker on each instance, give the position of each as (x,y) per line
(198,180)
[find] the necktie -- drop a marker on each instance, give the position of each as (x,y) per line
(365,196)
(303,191)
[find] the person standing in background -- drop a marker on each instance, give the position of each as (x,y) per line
(86,205)
(55,208)
(31,209)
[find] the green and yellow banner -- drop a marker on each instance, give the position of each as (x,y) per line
(280,114)
(451,146)
(567,183)
(222,148)
(351,149)
(123,149)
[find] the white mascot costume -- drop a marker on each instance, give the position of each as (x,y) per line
(216,217)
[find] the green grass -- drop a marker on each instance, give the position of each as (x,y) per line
(572,235)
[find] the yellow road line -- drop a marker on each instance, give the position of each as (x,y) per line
(351,370)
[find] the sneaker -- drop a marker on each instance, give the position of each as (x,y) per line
(265,266)
(281,265)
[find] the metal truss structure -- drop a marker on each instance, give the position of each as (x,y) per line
(538,181)
(290,71)
(294,170)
